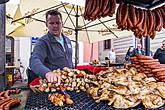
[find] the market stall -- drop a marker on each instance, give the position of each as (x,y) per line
(139,86)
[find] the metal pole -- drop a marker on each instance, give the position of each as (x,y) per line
(76,37)
(147,46)
(2,47)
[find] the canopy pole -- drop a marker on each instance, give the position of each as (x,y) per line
(76,37)
(2,47)
(147,46)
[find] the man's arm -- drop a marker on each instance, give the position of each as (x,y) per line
(37,59)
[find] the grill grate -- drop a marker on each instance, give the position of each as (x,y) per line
(39,101)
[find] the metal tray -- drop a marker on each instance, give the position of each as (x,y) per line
(39,101)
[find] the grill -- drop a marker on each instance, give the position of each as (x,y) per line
(39,101)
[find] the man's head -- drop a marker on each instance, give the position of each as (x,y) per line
(54,22)
(113,49)
(139,46)
(163,44)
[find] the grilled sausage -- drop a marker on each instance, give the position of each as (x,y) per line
(12,103)
(104,7)
(129,22)
(159,20)
(158,70)
(124,15)
(133,14)
(107,9)
(163,15)
(153,33)
(101,6)
(97,8)
(119,15)
(2,95)
(162,73)
(6,95)
(145,23)
(112,6)
(5,103)
(150,22)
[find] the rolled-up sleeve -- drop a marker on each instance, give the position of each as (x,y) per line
(37,58)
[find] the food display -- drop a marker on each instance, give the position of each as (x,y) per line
(7,102)
(121,88)
(151,67)
(95,9)
(59,99)
(72,79)
(141,21)
(124,88)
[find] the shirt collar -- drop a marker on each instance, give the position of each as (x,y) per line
(53,39)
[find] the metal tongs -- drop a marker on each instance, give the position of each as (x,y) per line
(62,89)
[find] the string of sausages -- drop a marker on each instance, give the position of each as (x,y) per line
(141,21)
(151,67)
(95,9)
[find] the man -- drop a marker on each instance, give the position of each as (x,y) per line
(112,55)
(139,50)
(160,53)
(53,50)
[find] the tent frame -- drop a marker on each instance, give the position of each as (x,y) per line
(76,27)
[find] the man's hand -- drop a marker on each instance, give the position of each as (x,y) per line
(53,77)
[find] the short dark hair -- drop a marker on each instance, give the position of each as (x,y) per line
(53,12)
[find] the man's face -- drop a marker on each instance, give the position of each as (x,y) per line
(54,24)
(163,45)
(139,46)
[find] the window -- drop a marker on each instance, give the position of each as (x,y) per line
(107,44)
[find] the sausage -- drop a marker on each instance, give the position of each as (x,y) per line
(158,69)
(101,6)
(150,22)
(153,33)
(159,23)
(92,8)
(104,7)
(6,95)
(150,75)
(151,63)
(129,22)
(119,15)
(163,80)
(124,15)
(144,57)
(3,101)
(112,6)
(12,103)
(88,5)
(162,73)
(161,77)
(141,19)
(107,9)
(86,8)
(97,8)
(157,66)
(3,104)
(145,23)
(163,15)
(133,15)
(2,95)
(145,61)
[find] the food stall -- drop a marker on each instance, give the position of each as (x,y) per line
(122,88)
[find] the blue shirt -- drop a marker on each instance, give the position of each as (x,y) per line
(48,55)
